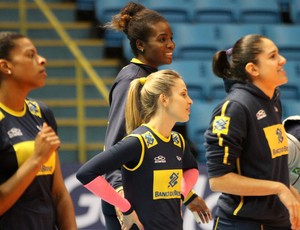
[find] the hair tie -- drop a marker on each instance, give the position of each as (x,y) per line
(143,80)
(229,52)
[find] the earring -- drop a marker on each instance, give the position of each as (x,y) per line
(142,50)
(9,72)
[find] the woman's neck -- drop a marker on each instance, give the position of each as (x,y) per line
(163,126)
(13,100)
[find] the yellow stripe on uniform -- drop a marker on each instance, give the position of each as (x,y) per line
(242,197)
(221,127)
(142,153)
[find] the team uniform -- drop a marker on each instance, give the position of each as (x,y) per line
(116,129)
(292,127)
(246,137)
(152,171)
(34,210)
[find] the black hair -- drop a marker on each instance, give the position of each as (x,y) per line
(7,43)
(231,64)
(136,22)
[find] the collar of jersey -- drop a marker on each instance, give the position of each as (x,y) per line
(135,60)
(163,138)
(13,112)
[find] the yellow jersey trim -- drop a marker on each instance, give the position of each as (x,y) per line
(242,197)
(142,153)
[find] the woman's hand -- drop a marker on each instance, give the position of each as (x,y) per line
(200,210)
(46,142)
(129,220)
(291,202)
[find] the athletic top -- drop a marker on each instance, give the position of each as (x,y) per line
(292,127)
(116,129)
(34,210)
(152,173)
(246,137)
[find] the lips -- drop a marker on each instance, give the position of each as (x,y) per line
(43,72)
(169,54)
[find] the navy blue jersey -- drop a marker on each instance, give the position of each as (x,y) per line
(116,129)
(152,170)
(34,210)
(246,137)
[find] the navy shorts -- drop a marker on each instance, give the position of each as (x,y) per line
(226,224)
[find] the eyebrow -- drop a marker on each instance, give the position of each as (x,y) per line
(162,34)
(272,52)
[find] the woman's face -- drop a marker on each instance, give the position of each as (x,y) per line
(158,50)
(179,103)
(27,67)
(270,69)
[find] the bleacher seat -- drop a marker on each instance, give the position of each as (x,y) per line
(230,33)
(286,37)
(201,82)
(291,90)
(290,107)
(200,117)
(216,89)
(195,41)
(178,11)
(294,11)
(104,11)
(85,5)
(285,5)
(258,11)
(214,11)
(127,52)
(214,86)
(191,73)
(292,69)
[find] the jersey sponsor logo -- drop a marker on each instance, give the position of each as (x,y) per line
(176,139)
(167,184)
(160,159)
(48,167)
(261,114)
(221,125)
(14,132)
(25,149)
(277,140)
(149,139)
(34,108)
(173,180)
(279,135)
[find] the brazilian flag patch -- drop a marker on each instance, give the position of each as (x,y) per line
(221,125)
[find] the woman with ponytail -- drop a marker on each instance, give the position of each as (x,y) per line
(158,168)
